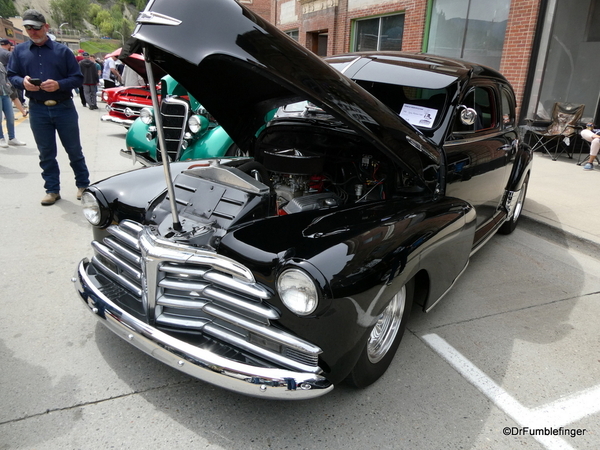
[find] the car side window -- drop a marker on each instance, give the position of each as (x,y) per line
(508,110)
(482,100)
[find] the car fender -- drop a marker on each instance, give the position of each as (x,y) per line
(212,144)
(136,139)
(359,267)
(521,166)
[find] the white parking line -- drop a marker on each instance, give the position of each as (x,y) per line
(555,415)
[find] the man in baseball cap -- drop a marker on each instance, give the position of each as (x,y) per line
(33,18)
(37,66)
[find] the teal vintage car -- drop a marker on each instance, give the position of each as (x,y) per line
(190,131)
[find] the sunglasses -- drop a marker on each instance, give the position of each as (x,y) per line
(32,27)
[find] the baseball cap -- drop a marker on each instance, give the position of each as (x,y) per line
(4,42)
(86,54)
(33,17)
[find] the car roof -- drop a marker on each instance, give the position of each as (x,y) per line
(409,69)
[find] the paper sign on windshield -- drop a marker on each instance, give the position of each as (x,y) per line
(419,116)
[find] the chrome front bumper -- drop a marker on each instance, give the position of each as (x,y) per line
(195,361)
(125,122)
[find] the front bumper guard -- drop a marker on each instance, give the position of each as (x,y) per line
(197,362)
(136,157)
(125,122)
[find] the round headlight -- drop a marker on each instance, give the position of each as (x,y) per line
(91,208)
(298,291)
(147,116)
(196,123)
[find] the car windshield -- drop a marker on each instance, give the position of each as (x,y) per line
(421,107)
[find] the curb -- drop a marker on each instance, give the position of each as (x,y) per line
(559,236)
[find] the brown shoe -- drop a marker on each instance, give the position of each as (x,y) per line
(50,198)
(80,193)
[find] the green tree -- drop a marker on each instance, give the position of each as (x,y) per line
(70,11)
(107,27)
(7,8)
(93,11)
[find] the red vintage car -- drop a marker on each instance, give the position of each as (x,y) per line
(124,103)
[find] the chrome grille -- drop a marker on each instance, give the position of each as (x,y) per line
(186,290)
(174,114)
(128,109)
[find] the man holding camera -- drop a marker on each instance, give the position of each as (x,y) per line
(48,71)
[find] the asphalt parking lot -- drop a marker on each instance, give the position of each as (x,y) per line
(509,359)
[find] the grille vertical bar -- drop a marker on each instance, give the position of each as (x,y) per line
(174,114)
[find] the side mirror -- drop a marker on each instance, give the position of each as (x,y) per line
(467,115)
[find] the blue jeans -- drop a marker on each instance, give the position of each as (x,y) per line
(6,106)
(45,122)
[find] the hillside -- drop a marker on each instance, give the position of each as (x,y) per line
(42,6)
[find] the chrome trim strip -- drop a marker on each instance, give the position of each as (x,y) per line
(198,288)
(120,233)
(254,291)
(350,64)
(123,265)
(271,333)
(121,280)
(154,18)
(255,308)
(197,362)
(448,290)
(166,250)
(123,251)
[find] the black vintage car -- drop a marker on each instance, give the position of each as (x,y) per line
(282,274)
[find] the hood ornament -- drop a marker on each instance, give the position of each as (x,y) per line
(154,18)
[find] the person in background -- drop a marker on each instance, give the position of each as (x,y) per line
(7,109)
(5,54)
(110,72)
(80,57)
(90,79)
(593,137)
(48,71)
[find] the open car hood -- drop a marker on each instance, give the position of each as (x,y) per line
(136,62)
(240,67)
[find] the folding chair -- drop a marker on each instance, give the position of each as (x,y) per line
(563,128)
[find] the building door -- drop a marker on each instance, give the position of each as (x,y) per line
(317,42)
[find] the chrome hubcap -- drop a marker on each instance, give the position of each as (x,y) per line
(520,201)
(385,330)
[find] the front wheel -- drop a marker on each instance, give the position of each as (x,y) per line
(383,340)
(510,225)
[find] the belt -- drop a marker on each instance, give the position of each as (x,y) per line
(49,102)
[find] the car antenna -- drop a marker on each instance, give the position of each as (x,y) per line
(161,140)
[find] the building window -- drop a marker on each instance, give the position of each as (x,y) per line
(293,34)
(379,33)
(469,29)
(593,34)
(566,70)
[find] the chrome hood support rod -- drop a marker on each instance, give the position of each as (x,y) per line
(161,140)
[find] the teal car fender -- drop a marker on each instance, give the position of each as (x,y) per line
(209,141)
(214,142)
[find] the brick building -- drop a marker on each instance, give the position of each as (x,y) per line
(541,46)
